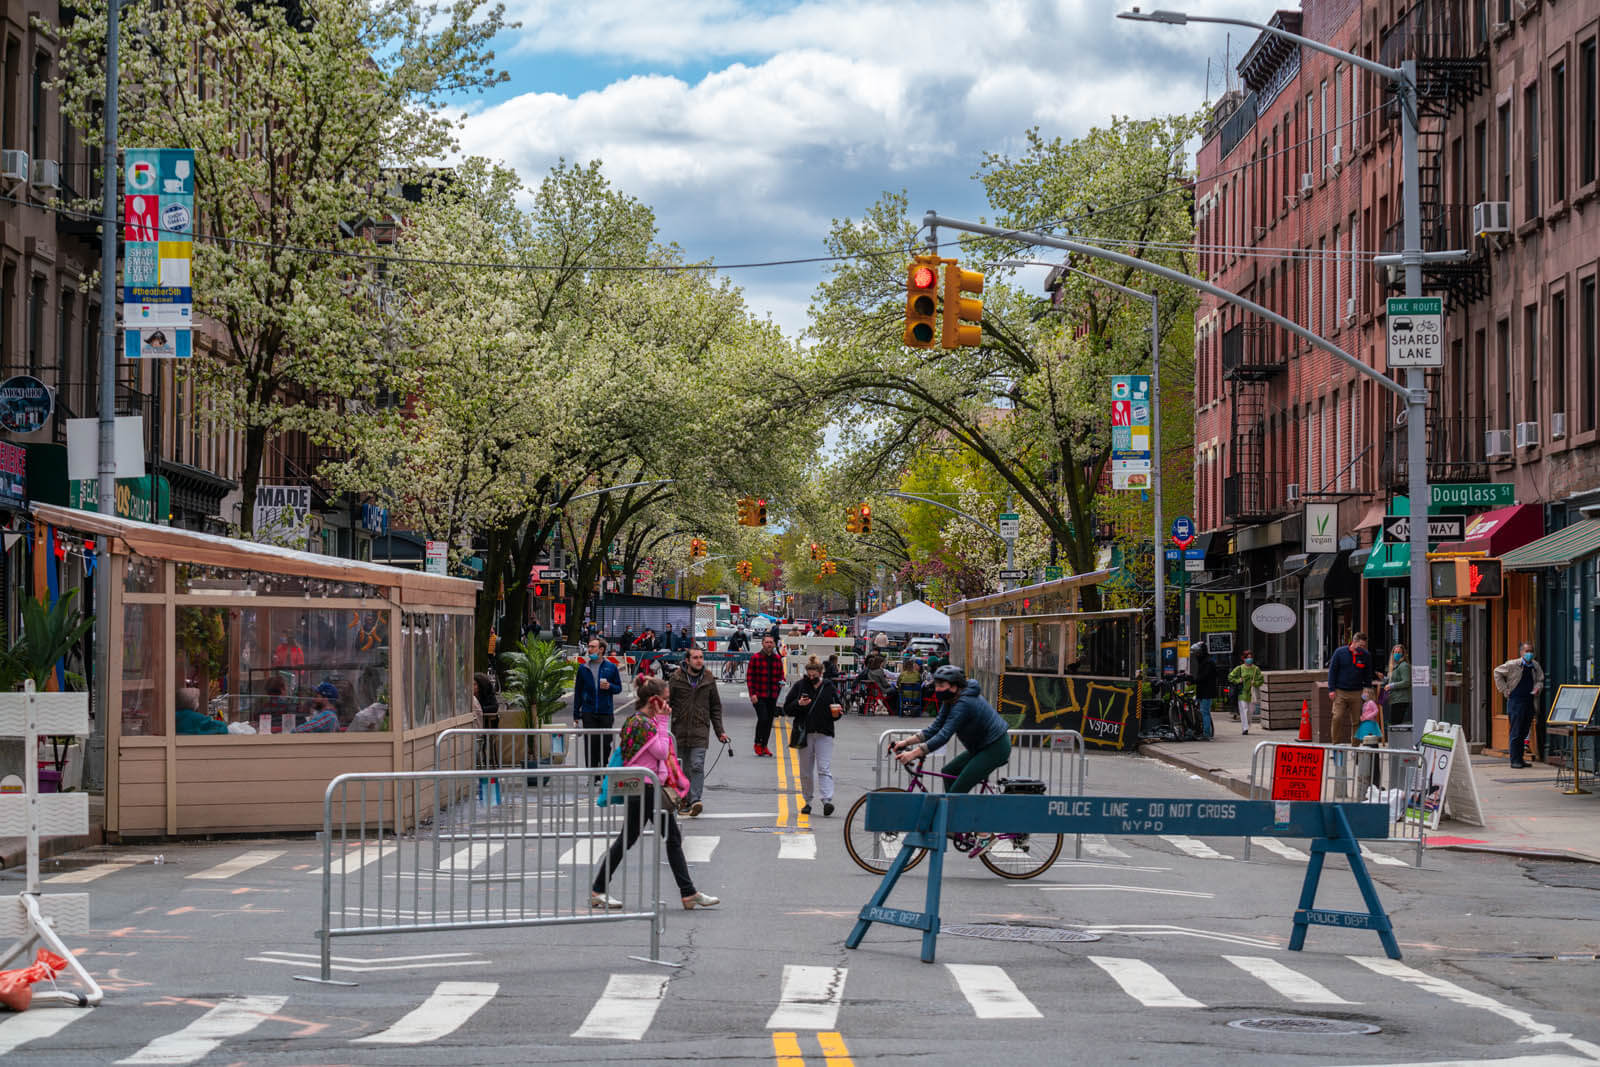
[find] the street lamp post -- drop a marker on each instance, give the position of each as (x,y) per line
(1415,392)
(1011,545)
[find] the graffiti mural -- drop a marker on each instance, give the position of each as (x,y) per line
(1105,711)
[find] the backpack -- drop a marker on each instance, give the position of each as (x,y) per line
(635,734)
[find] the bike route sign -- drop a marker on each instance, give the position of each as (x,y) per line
(1416,331)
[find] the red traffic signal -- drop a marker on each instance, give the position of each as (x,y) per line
(922,305)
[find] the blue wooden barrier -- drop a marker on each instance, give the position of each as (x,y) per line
(925,820)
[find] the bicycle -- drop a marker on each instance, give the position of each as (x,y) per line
(733,670)
(1014,856)
(1183,712)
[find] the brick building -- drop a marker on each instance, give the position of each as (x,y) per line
(1299,186)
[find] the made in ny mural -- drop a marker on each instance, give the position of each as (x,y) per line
(1104,711)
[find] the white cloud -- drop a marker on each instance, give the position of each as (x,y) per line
(809,111)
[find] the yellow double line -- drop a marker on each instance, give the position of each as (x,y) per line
(788,762)
(786,1050)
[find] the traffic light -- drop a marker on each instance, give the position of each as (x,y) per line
(744,569)
(852,519)
(697,548)
(958,309)
(814,551)
(761,512)
(865,519)
(747,511)
(922,303)
(1469,578)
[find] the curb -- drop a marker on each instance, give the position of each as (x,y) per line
(1232,783)
(14,853)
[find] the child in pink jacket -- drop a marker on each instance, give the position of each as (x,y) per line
(656,755)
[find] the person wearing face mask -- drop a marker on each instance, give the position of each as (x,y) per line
(1247,681)
(593,693)
(696,715)
(814,703)
(1398,687)
(965,715)
(1519,680)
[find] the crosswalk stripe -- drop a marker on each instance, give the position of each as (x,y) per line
(87,874)
(1380,859)
(797,846)
(18,1030)
(239,864)
(1144,983)
(1292,984)
(1288,852)
(698,849)
(473,856)
(626,1009)
(231,1017)
(357,858)
(584,853)
(809,998)
(1197,849)
(1096,887)
(991,992)
(449,1006)
(1098,845)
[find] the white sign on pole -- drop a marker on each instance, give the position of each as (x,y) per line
(1010,526)
(1416,331)
(438,557)
(1322,527)
(83,448)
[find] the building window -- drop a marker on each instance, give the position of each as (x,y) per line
(1588,112)
(1504,18)
(1530,363)
(1588,350)
(1338,106)
(13,75)
(91,360)
(1502,338)
(1309,148)
(1480,22)
(1480,162)
(1558,133)
(64,338)
(1478,408)
(1504,115)
(1530,151)
(1338,279)
(1326,129)
(1558,352)
(41,72)
(36,293)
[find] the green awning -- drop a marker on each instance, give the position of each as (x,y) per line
(1388,561)
(1559,549)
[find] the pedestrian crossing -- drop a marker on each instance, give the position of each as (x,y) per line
(811,998)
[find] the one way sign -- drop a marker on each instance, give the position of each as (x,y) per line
(1397,528)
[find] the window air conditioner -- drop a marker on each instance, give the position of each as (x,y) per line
(46,175)
(1491,216)
(1350,310)
(14,165)
(1306,184)
(1292,492)
(1527,434)
(1558,425)
(1336,158)
(1497,443)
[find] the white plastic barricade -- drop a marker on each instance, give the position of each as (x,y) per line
(1055,757)
(1301,770)
(32,918)
(484,857)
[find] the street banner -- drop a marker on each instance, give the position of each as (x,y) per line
(158,251)
(1131,462)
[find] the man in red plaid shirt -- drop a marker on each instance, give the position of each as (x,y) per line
(763,678)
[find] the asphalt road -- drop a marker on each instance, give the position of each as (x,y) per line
(1191,939)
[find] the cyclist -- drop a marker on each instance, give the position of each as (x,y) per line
(963,713)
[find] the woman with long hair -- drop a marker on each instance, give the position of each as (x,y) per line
(646,743)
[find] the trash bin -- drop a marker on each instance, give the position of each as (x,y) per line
(1401,735)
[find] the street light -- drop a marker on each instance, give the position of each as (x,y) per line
(1154,300)
(1412,257)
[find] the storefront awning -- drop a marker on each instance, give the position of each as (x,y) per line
(1559,549)
(1500,531)
(1329,579)
(1387,561)
(1373,516)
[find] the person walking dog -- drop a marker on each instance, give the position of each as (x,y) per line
(696,715)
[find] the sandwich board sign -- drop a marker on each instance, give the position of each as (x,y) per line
(1444,779)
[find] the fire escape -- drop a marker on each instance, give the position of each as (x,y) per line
(1250,361)
(1450,73)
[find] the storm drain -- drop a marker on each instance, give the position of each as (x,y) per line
(1017,932)
(1289,1024)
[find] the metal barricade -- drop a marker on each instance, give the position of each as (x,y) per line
(465,748)
(1348,771)
(490,851)
(1055,757)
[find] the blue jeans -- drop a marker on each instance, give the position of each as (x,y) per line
(1205,715)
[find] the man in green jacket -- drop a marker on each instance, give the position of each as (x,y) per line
(1247,681)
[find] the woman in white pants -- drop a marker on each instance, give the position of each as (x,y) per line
(1247,681)
(813,703)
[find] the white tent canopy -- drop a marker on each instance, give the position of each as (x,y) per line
(913,618)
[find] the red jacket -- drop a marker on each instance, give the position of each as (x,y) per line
(764,676)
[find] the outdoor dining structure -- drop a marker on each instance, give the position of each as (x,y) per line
(245,676)
(1046,664)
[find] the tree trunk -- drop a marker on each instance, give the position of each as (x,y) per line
(255,450)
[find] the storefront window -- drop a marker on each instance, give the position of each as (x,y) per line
(420,633)
(1041,648)
(142,657)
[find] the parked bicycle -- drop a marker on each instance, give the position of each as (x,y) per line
(1182,711)
(1015,856)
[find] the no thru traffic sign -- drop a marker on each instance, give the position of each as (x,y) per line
(1416,331)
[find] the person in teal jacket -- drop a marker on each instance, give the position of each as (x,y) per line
(191,720)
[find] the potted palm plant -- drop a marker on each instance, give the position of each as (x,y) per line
(537,678)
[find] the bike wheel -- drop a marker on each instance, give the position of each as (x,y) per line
(1022,856)
(874,852)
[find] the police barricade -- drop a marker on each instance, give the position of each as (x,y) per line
(514,858)
(1288,770)
(926,820)
(1054,757)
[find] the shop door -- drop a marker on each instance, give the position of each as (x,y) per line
(1449,654)
(1313,633)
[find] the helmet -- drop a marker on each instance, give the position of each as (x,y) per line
(1198,646)
(952,674)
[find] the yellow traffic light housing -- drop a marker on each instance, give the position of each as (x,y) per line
(852,520)
(746,510)
(959,310)
(761,512)
(922,303)
(865,520)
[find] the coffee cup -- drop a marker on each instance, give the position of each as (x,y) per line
(836,709)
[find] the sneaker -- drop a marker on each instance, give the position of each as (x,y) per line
(827,807)
(683,807)
(601,900)
(807,809)
(700,900)
(1245,730)
(695,808)
(758,751)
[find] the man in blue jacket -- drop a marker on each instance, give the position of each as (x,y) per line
(598,683)
(1349,671)
(965,715)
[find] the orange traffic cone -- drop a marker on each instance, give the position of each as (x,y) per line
(1305,720)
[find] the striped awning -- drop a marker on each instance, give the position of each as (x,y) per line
(1559,549)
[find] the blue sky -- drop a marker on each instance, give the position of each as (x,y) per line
(749,126)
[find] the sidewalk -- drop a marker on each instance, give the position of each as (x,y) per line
(1527,814)
(14,850)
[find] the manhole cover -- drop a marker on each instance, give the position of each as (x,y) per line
(1288,1024)
(1009,932)
(775,829)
